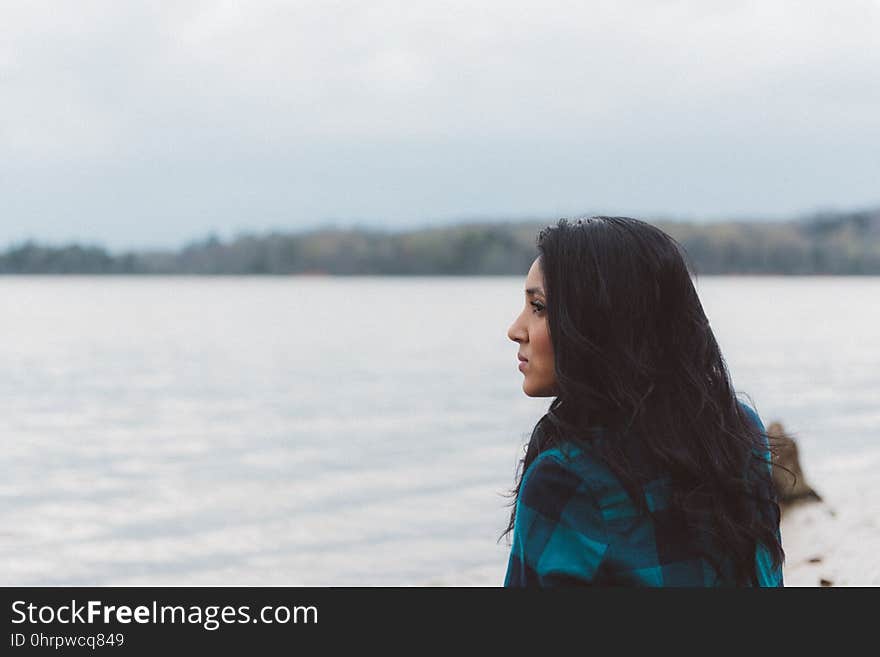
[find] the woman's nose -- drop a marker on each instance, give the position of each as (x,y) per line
(516,333)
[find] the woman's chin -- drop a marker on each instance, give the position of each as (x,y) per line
(535,391)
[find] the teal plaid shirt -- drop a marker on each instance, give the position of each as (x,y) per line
(576,525)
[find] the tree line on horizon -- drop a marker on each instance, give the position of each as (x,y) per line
(840,243)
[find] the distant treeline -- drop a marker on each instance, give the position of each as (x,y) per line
(838,243)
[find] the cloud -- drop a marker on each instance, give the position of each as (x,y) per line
(195,111)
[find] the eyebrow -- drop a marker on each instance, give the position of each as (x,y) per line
(535,290)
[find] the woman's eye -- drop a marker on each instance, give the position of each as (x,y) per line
(538,306)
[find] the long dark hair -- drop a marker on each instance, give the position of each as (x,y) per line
(635,355)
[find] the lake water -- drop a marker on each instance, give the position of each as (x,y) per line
(334,431)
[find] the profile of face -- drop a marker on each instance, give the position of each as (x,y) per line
(531,331)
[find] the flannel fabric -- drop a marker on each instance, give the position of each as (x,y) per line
(576,525)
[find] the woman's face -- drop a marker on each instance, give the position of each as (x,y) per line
(531,332)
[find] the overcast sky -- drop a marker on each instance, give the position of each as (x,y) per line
(152,123)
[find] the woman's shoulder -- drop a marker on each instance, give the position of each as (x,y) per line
(555,463)
(569,468)
(568,456)
(578,470)
(752,414)
(557,474)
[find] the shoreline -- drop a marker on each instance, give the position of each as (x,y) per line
(836,542)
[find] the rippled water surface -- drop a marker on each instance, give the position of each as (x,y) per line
(333,431)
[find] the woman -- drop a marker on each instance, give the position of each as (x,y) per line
(646,470)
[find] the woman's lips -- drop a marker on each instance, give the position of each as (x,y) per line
(522,365)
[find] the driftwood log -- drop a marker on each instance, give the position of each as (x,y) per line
(791,486)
